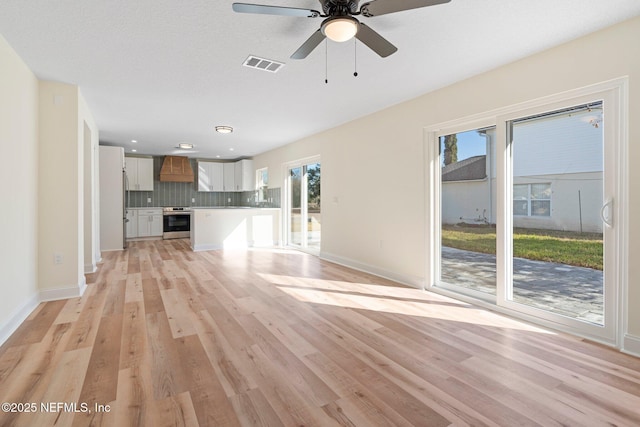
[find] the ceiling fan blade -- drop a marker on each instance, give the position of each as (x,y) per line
(375,41)
(382,7)
(275,10)
(308,46)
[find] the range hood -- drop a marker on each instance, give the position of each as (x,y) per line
(176,169)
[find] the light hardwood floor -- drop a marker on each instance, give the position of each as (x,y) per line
(168,337)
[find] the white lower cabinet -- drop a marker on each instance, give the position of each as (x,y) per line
(149,222)
(132,223)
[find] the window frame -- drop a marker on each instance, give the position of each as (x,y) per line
(530,199)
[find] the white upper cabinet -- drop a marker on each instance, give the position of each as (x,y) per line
(229,176)
(210,176)
(218,176)
(139,173)
(245,179)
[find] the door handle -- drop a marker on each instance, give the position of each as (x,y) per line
(607,220)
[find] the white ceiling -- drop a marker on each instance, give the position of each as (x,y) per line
(167,71)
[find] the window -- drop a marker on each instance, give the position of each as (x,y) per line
(262,182)
(532,199)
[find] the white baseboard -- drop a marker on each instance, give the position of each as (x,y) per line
(63,293)
(21,314)
(17,317)
(413,281)
(631,345)
(199,248)
(264,244)
(90,268)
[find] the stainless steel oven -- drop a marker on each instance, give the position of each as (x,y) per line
(176,223)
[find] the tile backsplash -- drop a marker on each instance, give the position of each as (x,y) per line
(182,194)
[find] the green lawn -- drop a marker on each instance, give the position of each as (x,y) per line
(579,249)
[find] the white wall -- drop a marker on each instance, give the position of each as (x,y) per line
(19,177)
(467,201)
(372,168)
(471,200)
(89,138)
(60,185)
(567,204)
(43,130)
(61,211)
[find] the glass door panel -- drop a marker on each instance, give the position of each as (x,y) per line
(295,215)
(557,230)
(467,212)
(304,215)
(314,212)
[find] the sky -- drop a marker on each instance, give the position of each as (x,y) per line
(470,144)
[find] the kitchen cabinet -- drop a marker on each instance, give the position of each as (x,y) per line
(139,173)
(244,175)
(149,222)
(132,223)
(210,176)
(229,170)
(222,228)
(218,176)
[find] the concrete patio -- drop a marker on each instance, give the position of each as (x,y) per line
(575,292)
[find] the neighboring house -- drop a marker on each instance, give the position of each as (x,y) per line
(562,191)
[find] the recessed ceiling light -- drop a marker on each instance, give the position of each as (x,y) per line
(185,146)
(134,151)
(218,156)
(134,141)
(230,149)
(224,129)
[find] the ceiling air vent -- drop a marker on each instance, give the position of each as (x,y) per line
(263,64)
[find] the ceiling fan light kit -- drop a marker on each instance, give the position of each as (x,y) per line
(341,25)
(340,29)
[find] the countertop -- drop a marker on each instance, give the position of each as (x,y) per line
(229,207)
(204,207)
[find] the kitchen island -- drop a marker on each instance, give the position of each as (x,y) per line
(234,227)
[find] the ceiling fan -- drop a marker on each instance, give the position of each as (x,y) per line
(340,23)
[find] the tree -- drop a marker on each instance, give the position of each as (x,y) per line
(450,149)
(313,183)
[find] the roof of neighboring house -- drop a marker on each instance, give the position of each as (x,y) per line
(466,170)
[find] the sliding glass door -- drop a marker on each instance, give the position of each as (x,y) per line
(303,210)
(525,212)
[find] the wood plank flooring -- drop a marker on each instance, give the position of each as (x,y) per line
(168,337)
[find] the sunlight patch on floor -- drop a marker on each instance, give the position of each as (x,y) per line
(389,299)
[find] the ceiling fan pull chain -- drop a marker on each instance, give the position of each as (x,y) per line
(326,61)
(355,57)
